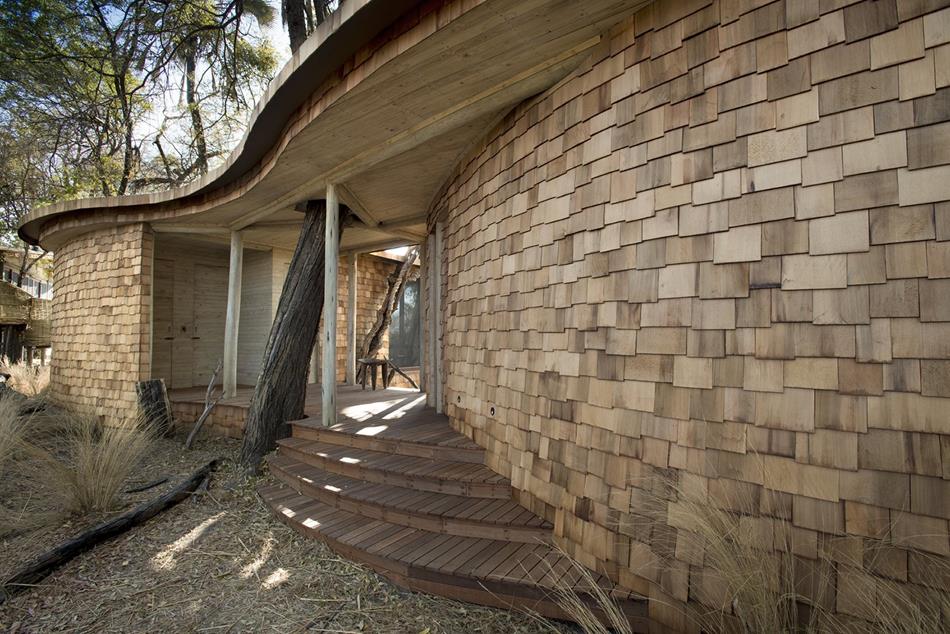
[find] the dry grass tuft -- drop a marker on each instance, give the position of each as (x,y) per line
(753,586)
(58,463)
(12,429)
(26,379)
(588,604)
(752,580)
(92,462)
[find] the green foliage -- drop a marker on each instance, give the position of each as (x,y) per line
(109,97)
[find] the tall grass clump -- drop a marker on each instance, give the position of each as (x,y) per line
(12,429)
(25,378)
(586,603)
(747,585)
(90,462)
(754,578)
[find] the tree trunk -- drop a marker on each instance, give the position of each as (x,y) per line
(194,108)
(373,340)
(26,264)
(282,386)
(296,20)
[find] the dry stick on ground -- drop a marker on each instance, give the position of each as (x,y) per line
(373,340)
(282,387)
(148,485)
(46,563)
(209,405)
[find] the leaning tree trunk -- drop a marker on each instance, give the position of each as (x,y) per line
(282,386)
(373,340)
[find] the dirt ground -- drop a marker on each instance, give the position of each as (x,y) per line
(218,563)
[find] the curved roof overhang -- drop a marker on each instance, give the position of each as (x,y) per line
(382,100)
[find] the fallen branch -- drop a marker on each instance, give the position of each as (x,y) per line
(146,487)
(395,369)
(209,405)
(396,283)
(46,563)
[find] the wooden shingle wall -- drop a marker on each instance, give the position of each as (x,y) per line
(371,275)
(720,251)
(101,320)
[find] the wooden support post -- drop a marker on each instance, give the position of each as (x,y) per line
(233,314)
(424,250)
(331,264)
(313,376)
(435,309)
(351,278)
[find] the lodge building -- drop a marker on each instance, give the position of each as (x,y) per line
(706,240)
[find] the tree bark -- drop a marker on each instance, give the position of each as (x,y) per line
(282,387)
(153,401)
(373,340)
(194,108)
(296,20)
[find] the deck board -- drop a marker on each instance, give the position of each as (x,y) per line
(393,486)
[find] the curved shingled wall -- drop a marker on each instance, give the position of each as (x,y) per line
(101,333)
(720,251)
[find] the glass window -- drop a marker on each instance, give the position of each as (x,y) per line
(405,328)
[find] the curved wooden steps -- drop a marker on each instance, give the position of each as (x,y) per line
(426,441)
(438,512)
(394,487)
(487,571)
(423,474)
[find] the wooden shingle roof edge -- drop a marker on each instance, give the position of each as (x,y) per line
(325,51)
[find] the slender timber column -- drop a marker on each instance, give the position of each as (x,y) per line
(351,321)
(436,364)
(313,377)
(233,314)
(332,260)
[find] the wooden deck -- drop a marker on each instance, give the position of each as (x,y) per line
(392,486)
(353,403)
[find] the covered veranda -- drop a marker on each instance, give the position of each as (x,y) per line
(399,407)
(365,117)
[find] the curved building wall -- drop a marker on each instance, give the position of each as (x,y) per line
(101,320)
(720,253)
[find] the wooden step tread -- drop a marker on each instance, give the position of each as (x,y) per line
(434,432)
(433,511)
(460,478)
(434,440)
(481,570)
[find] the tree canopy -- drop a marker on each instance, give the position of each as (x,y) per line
(111,97)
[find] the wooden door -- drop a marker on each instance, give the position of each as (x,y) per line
(183,318)
(163,331)
(210,303)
